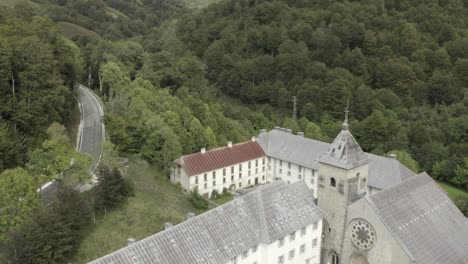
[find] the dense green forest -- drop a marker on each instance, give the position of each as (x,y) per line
(175,79)
(403,66)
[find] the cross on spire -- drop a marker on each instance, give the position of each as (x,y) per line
(345,125)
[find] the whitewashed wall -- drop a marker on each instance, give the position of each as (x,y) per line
(291,173)
(270,253)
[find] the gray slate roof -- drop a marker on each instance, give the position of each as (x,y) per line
(264,215)
(280,143)
(344,152)
(425,220)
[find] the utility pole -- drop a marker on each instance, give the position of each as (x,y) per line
(294,107)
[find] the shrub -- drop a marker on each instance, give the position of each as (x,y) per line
(198,201)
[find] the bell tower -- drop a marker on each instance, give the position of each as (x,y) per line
(343,173)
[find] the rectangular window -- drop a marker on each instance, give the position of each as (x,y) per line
(214,183)
(315,225)
(250,164)
(263,161)
(263,177)
(256,163)
(240,167)
(299,177)
(248,183)
(292,236)
(291,254)
(232,177)
(263,169)
(224,172)
(302,250)
(240,175)
(289,173)
(240,185)
(303,231)
(281,242)
(205,177)
(196,179)
(300,168)
(289,165)
(314,242)
(205,185)
(256,170)
(281,163)
(214,174)
(313,173)
(224,179)
(280,171)
(250,172)
(281,259)
(232,169)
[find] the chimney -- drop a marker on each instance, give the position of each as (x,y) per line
(131,241)
(262,131)
(230,144)
(203,150)
(300,134)
(253,139)
(190,215)
(392,156)
(167,225)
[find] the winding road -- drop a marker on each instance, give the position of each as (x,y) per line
(91,132)
(90,136)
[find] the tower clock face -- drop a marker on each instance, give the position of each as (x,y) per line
(362,234)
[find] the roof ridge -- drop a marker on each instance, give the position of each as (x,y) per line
(219,148)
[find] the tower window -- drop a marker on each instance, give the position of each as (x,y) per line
(332,182)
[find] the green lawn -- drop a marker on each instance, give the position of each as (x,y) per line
(156,201)
(223,199)
(452,190)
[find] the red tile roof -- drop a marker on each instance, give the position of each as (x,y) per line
(218,158)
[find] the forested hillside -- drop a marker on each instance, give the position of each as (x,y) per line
(403,66)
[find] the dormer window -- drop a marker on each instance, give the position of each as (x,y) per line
(332,182)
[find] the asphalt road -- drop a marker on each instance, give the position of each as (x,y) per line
(91,131)
(90,136)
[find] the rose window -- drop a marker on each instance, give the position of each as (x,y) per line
(362,234)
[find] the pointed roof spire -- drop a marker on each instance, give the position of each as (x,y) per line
(345,125)
(345,152)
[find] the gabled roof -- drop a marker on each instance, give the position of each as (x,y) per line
(280,143)
(214,159)
(344,151)
(263,215)
(424,219)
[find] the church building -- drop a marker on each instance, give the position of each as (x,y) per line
(307,202)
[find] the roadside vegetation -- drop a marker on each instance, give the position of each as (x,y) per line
(155,202)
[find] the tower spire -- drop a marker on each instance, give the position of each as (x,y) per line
(345,125)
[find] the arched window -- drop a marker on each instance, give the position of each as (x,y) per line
(332,182)
(333,258)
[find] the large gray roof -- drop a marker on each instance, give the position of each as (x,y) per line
(264,215)
(280,143)
(425,221)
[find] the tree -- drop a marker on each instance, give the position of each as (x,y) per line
(18,197)
(11,147)
(56,159)
(112,189)
(406,159)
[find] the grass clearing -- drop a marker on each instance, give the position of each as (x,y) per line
(72,30)
(13,3)
(223,199)
(156,201)
(453,191)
